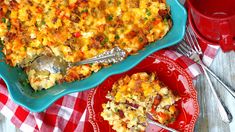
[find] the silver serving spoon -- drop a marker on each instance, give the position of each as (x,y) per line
(55,64)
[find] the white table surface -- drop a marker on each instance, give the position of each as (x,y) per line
(209,119)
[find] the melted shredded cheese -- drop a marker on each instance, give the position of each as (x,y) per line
(78,29)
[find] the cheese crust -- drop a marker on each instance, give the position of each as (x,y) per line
(76,30)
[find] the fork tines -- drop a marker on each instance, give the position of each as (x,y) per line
(191,39)
(184,49)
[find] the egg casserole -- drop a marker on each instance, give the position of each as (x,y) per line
(76,30)
(133,97)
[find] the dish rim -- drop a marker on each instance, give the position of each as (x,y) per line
(62,93)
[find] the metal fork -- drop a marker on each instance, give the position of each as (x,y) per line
(190,37)
(161,125)
(150,119)
(192,51)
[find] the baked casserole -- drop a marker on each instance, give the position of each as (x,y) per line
(76,30)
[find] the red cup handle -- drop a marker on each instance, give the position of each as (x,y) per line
(227,41)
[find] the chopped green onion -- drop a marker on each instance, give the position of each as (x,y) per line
(110,17)
(119,3)
(84,10)
(148,12)
(1,42)
(4,20)
(172,119)
(106,39)
(43,22)
(37,24)
(8,25)
(117,37)
(140,39)
(165,20)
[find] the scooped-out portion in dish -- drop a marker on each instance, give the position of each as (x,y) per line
(76,30)
(134,97)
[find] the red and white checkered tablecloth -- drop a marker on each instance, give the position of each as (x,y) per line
(69,113)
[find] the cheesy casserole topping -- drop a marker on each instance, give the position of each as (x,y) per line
(133,97)
(76,30)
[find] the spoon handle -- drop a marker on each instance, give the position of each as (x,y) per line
(111,56)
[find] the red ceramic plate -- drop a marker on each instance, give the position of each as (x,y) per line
(171,74)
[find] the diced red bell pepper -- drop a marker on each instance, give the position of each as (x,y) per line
(77,34)
(156,21)
(40,10)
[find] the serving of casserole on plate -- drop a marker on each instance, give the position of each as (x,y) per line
(134,97)
(158,88)
(78,30)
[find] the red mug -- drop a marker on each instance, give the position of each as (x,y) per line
(200,37)
(215,21)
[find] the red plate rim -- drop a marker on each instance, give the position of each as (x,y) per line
(164,59)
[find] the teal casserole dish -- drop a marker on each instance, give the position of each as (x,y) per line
(22,93)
